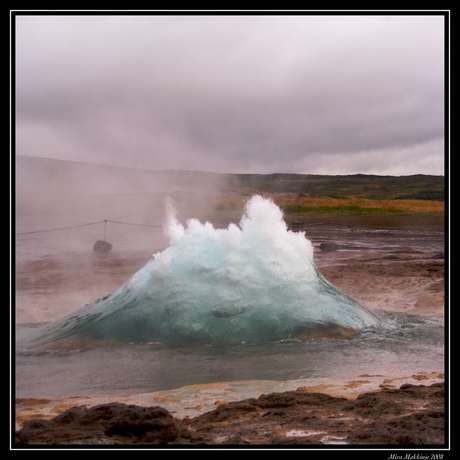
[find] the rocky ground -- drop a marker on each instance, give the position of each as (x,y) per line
(410,415)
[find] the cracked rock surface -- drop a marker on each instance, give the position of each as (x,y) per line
(409,415)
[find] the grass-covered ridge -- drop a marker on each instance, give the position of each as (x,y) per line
(415,187)
(303,194)
(295,205)
(358,206)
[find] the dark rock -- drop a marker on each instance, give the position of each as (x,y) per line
(411,415)
(230,411)
(411,438)
(103,247)
(273,400)
(130,423)
(289,398)
(372,405)
(328,247)
(237,440)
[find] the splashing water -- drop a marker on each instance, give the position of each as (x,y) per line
(255,282)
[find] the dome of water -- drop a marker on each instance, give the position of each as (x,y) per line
(252,282)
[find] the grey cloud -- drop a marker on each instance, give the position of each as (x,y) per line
(232,93)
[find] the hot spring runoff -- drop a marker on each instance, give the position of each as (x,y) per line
(254,282)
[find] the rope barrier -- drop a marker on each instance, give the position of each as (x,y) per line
(130,223)
(295,224)
(85,225)
(153,226)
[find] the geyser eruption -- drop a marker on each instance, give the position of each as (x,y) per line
(255,282)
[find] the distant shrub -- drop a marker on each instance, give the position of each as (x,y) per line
(437,195)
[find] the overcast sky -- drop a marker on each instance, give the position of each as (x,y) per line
(333,94)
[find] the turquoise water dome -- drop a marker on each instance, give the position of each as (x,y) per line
(253,282)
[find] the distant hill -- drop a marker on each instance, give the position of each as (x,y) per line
(421,187)
(49,176)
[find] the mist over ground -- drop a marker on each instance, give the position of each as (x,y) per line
(72,193)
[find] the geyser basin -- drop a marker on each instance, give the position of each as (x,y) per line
(255,282)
